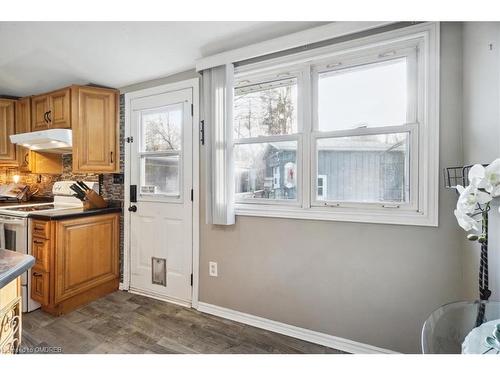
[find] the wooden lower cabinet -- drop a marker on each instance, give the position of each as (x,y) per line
(10,317)
(76,261)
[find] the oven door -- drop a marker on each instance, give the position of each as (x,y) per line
(14,237)
(14,233)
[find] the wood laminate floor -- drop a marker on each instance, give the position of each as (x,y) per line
(128,323)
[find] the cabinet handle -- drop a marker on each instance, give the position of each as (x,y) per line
(45,117)
(38,242)
(48,116)
(111,157)
(37,274)
(26,156)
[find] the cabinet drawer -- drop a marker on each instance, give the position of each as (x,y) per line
(40,249)
(41,228)
(40,287)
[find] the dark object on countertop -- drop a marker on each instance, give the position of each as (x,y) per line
(77,188)
(83,185)
(90,198)
(41,199)
(79,192)
(8,199)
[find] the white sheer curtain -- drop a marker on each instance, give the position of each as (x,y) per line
(218,117)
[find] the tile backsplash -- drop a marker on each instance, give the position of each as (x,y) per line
(44,182)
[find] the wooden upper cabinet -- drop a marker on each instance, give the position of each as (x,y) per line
(52,110)
(39,111)
(95,129)
(7,128)
(92,113)
(60,109)
(27,160)
(23,125)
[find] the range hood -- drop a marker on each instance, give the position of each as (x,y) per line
(59,141)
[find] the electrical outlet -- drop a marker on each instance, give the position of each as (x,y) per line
(212,269)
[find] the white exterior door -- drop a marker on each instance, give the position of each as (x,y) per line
(161,213)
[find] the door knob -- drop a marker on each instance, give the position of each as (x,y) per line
(133,208)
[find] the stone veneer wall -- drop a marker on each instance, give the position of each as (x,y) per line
(111,185)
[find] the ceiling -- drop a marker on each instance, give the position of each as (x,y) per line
(36,57)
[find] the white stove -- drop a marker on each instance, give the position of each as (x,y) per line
(15,224)
(64,199)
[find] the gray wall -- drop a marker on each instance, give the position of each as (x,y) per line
(371,283)
(481,129)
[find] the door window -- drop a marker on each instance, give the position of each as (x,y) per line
(160,151)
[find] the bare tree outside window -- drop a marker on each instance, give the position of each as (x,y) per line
(262,110)
(265,110)
(162,137)
(162,130)
(279,110)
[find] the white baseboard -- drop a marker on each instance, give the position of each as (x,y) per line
(334,342)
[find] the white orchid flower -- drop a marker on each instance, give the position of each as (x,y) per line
(492,178)
(484,185)
(486,178)
(465,221)
(470,197)
(476,175)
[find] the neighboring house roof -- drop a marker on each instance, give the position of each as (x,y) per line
(340,145)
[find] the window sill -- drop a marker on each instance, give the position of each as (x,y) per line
(378,216)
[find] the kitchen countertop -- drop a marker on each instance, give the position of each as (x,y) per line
(12,265)
(75,212)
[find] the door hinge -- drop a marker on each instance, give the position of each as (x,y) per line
(192,195)
(129,139)
(191,279)
(192,110)
(202,132)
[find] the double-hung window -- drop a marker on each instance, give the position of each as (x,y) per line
(365,130)
(160,151)
(266,139)
(347,133)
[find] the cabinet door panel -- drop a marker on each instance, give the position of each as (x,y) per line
(23,125)
(86,254)
(39,108)
(40,286)
(95,144)
(7,128)
(60,109)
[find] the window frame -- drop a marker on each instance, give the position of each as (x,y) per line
(141,154)
(411,129)
(423,128)
(254,79)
